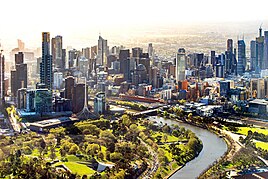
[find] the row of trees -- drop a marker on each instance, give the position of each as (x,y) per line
(132,105)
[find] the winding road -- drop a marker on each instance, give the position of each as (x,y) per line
(148,173)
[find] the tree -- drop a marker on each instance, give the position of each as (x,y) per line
(59,133)
(92,149)
(126,120)
(116,156)
(91,129)
(108,140)
(74,148)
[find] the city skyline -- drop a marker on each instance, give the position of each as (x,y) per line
(82,22)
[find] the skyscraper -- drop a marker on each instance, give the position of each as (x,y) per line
(229,63)
(265,50)
(259,51)
(100,104)
(253,55)
(150,50)
(73,55)
(102,51)
(180,65)
(241,57)
(86,52)
(125,63)
(19,75)
(46,64)
(69,87)
(213,58)
(56,48)
(2,76)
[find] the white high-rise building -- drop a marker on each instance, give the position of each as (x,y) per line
(83,66)
(150,50)
(58,79)
(103,51)
(180,65)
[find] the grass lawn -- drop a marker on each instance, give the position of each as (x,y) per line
(72,158)
(170,138)
(263,145)
(80,169)
(244,130)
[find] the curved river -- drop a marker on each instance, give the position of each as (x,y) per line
(213,148)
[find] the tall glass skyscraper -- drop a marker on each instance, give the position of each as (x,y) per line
(253,55)
(102,51)
(241,57)
(259,52)
(2,76)
(180,65)
(46,64)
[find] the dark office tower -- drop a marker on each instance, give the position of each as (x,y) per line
(19,75)
(265,50)
(150,50)
(46,64)
(78,98)
(125,63)
(259,51)
(213,58)
(69,87)
(153,76)
(56,48)
(19,58)
(93,52)
(229,63)
(102,51)
(110,60)
(241,57)
(86,52)
(253,55)
(199,60)
(145,60)
(235,61)
(53,51)
(136,52)
(2,76)
(63,60)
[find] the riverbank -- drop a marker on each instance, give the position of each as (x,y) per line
(232,149)
(205,158)
(180,167)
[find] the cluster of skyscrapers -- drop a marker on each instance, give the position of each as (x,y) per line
(117,70)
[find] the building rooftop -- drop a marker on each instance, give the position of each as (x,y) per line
(52,122)
(259,101)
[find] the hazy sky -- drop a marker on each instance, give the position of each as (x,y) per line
(26,19)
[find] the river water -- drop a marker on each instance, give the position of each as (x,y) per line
(213,148)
